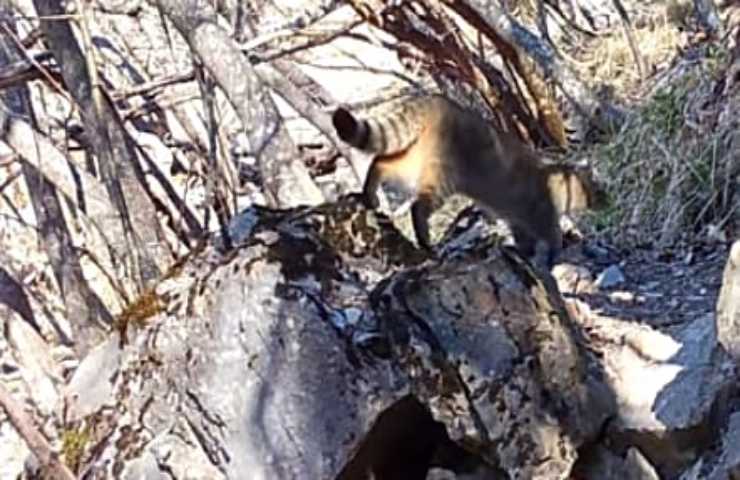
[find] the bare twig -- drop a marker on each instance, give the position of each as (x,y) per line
(285,181)
(7,160)
(50,18)
(220,173)
(305,18)
(90,56)
(318,40)
(147,88)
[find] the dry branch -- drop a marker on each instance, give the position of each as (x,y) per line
(301,20)
(303,104)
(287,182)
(434,33)
(312,43)
(22,71)
(153,87)
(496,24)
(118,163)
(80,302)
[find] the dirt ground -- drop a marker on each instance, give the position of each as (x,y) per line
(660,288)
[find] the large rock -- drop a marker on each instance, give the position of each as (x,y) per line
(323,348)
(494,355)
(671,387)
(326,346)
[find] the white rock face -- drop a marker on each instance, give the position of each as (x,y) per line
(728,306)
(665,383)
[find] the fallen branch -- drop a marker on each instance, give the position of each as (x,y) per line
(318,40)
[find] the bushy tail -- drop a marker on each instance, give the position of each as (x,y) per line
(351,130)
(392,133)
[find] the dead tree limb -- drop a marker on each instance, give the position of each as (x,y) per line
(706,13)
(122,176)
(285,76)
(287,182)
(87,313)
(280,81)
(218,187)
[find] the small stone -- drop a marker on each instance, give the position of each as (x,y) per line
(716,234)
(649,286)
(610,277)
(622,296)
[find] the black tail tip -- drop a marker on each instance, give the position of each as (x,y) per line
(344,123)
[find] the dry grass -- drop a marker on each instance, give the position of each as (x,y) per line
(670,171)
(609,59)
(671,168)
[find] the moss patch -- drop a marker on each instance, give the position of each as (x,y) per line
(74,442)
